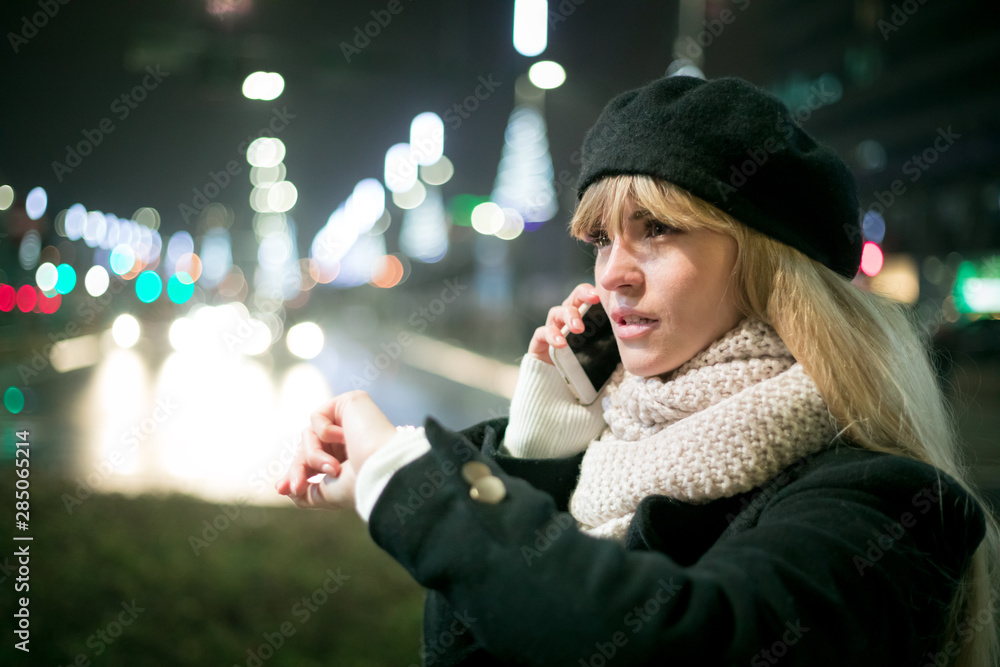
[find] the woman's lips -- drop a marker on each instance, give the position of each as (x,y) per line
(627,331)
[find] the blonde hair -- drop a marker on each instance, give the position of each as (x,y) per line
(886,400)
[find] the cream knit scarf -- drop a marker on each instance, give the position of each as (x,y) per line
(724,422)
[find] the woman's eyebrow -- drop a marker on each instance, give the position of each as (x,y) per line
(640,214)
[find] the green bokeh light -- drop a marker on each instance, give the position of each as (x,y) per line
(180,287)
(13,400)
(148,286)
(67,279)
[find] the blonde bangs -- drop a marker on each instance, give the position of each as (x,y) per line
(604,204)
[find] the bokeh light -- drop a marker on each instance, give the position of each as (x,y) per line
(122,259)
(96,281)
(46,277)
(265,152)
(871,259)
(13,400)
(190,264)
(180,287)
(67,279)
(27,297)
(6,197)
(125,331)
(148,286)
(305,340)
(487,218)
(263,86)
(8,298)
(547,74)
(36,202)
(438,173)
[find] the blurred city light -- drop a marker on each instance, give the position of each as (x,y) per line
(438,173)
(305,340)
(125,331)
(531,22)
(366,204)
(400,170)
(36,202)
(263,86)
(180,288)
(67,279)
(871,259)
(265,152)
(76,221)
(30,249)
(46,277)
(873,226)
(6,197)
(525,174)
(122,259)
(148,286)
(487,218)
(412,198)
(427,138)
(96,281)
(547,74)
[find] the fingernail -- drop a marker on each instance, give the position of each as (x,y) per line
(559,339)
(328,469)
(577,322)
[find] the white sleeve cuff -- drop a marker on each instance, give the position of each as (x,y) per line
(546,421)
(408,444)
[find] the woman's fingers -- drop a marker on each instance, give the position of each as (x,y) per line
(558,317)
(332,435)
(317,457)
(330,492)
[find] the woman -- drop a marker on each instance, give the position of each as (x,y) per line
(770,474)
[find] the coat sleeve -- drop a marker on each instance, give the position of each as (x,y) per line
(532,589)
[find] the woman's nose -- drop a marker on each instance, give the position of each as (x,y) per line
(619,268)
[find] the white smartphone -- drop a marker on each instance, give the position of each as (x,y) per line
(590,357)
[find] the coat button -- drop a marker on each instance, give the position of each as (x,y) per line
(473,470)
(489,490)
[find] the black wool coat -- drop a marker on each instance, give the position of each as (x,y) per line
(846,557)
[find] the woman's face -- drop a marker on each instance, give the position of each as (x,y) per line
(679,279)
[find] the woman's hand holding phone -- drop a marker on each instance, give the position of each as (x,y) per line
(558,317)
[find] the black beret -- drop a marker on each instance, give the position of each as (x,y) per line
(738,147)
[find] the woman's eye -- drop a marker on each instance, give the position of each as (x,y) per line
(599,240)
(657,228)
